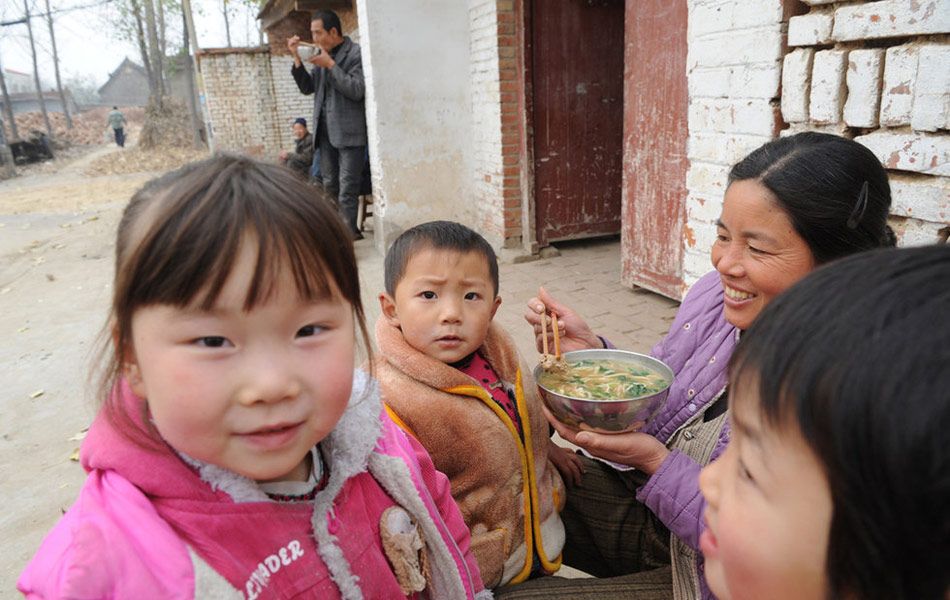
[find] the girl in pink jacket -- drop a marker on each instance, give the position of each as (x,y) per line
(239,454)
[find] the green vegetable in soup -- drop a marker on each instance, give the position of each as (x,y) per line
(603,379)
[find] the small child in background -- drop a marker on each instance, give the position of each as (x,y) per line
(239,454)
(454,380)
(836,482)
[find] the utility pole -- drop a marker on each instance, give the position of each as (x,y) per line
(7,107)
(227,22)
(192,92)
(59,84)
(190,26)
(36,70)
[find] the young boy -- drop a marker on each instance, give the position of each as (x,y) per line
(453,380)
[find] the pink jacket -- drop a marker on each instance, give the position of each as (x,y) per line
(150,523)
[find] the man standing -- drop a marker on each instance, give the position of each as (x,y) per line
(116,120)
(300,159)
(338,113)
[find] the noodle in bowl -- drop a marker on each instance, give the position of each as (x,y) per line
(591,396)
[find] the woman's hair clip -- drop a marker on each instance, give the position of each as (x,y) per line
(859,207)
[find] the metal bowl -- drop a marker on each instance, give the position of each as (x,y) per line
(307,52)
(607,416)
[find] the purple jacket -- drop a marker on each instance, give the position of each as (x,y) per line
(697,348)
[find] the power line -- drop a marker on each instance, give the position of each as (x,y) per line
(54,12)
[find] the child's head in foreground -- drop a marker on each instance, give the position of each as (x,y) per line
(836,483)
(441,289)
(235,303)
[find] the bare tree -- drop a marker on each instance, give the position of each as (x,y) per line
(158,80)
(7,107)
(59,84)
(7,168)
(36,70)
(140,38)
(162,46)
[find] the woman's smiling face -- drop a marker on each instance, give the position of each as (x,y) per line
(757,252)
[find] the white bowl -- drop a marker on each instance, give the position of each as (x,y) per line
(306,52)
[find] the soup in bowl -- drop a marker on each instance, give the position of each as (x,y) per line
(607,391)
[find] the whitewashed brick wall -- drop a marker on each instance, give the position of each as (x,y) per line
(892,95)
(734,75)
(252,100)
(498,208)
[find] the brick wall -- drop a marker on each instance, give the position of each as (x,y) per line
(878,72)
(295,23)
(496,121)
(734,68)
(252,100)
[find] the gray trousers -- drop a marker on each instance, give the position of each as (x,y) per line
(342,169)
(611,536)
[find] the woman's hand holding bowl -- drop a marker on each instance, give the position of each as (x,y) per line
(641,451)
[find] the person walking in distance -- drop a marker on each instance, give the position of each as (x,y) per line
(116,121)
(336,80)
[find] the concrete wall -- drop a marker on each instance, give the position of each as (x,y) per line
(418,112)
(878,72)
(27,102)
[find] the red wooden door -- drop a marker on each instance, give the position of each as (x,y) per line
(577,116)
(655,132)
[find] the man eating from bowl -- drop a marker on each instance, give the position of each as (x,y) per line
(339,119)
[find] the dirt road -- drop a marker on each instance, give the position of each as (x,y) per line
(56,259)
(56,243)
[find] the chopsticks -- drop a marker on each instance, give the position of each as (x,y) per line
(550,362)
(544,334)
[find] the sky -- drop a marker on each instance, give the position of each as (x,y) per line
(90,49)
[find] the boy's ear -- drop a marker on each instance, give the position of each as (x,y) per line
(494,307)
(388,304)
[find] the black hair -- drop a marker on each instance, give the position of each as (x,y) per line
(329,19)
(115,108)
(834,190)
(180,234)
(857,356)
(441,235)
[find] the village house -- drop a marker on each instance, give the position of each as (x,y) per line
(21,89)
(128,83)
(127,86)
(538,122)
